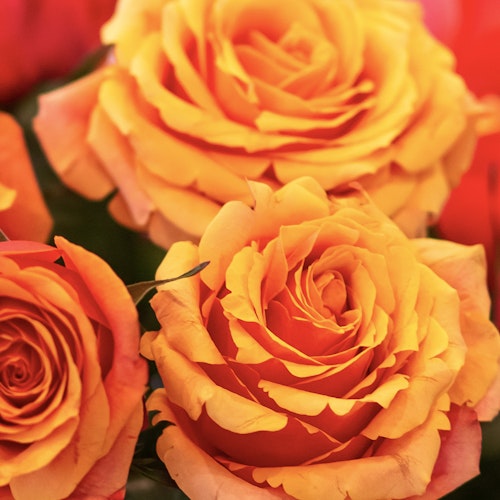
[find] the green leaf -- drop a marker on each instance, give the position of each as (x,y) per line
(139,290)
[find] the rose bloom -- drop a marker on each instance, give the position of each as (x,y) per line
(42,39)
(321,354)
(472,215)
(71,378)
(198,97)
(23,213)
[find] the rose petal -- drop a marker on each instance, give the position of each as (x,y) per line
(109,474)
(63,138)
(400,468)
(23,213)
(196,472)
(125,383)
(459,454)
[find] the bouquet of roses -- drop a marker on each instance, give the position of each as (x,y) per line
(249,249)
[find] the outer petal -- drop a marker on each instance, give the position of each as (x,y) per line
(196,472)
(459,454)
(464,268)
(109,474)
(24,214)
(400,469)
(125,382)
(61,126)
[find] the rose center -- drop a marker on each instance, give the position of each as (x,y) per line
(21,371)
(15,374)
(331,288)
(298,42)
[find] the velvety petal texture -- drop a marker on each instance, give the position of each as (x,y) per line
(46,39)
(71,378)
(198,96)
(23,213)
(321,354)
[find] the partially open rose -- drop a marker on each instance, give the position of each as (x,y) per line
(200,96)
(71,378)
(321,355)
(42,39)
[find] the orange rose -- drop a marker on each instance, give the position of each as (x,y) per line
(200,96)
(23,214)
(71,378)
(322,354)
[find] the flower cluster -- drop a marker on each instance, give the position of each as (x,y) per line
(278,169)
(198,97)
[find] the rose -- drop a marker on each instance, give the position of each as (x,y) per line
(42,39)
(23,214)
(200,96)
(71,378)
(321,354)
(472,214)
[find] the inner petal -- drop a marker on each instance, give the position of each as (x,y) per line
(318,76)
(260,66)
(274,52)
(236,20)
(298,42)
(330,289)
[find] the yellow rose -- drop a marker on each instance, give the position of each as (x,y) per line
(198,97)
(321,354)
